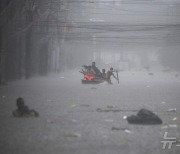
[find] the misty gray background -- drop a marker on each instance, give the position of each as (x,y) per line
(43,45)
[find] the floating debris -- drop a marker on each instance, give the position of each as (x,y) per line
(85,105)
(108,110)
(163,103)
(115,110)
(73,105)
(73,135)
(164,127)
(117,129)
(172,110)
(174,119)
(111,106)
(109,120)
(121,129)
(145,117)
(173,126)
(127,131)
(169,126)
(124,117)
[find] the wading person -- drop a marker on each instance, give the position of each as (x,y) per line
(109,74)
(23,110)
(103,74)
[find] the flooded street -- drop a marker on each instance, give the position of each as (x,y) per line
(83,119)
(48,46)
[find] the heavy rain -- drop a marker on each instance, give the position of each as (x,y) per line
(89,76)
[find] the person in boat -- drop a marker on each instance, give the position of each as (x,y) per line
(95,69)
(109,74)
(103,74)
(23,110)
(89,71)
(89,74)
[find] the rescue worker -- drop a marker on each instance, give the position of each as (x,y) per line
(95,69)
(103,74)
(109,74)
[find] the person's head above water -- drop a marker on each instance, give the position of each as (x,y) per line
(111,69)
(20,102)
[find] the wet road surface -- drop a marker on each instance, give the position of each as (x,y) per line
(86,119)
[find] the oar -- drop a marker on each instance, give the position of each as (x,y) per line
(117,76)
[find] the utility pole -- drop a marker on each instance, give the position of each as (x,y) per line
(62,40)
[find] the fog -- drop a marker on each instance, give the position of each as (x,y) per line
(40,37)
(124,33)
(44,45)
